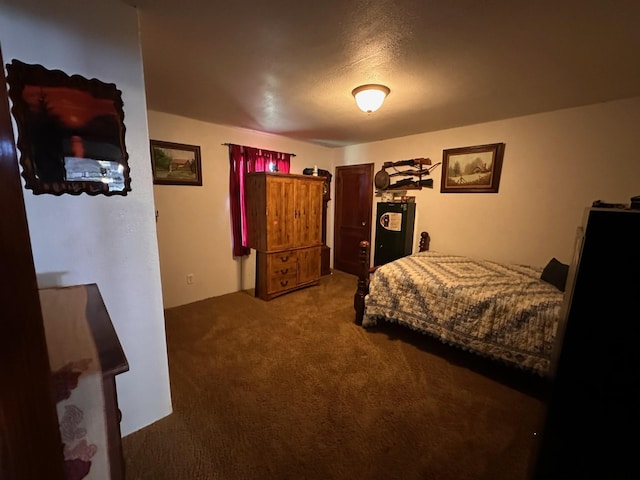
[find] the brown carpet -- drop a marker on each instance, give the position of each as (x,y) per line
(293,389)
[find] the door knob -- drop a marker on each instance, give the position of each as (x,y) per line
(364,223)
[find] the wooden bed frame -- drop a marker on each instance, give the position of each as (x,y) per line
(365,270)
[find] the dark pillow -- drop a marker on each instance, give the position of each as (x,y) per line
(555,273)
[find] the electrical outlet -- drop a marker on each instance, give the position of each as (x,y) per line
(189,278)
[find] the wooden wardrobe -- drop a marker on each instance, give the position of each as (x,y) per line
(284,223)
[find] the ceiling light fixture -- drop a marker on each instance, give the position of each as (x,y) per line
(370,97)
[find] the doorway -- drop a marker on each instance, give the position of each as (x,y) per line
(353,211)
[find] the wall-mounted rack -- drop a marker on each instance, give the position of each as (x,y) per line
(418,168)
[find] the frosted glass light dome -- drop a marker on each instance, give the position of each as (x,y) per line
(369,98)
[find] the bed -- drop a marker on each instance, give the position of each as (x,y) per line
(505,312)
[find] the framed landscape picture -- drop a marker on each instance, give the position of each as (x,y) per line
(472,169)
(176,163)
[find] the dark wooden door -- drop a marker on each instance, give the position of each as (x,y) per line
(29,438)
(353,210)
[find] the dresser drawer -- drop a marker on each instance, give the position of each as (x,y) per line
(282,271)
(281,262)
(278,282)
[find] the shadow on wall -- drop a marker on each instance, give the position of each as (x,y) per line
(50,279)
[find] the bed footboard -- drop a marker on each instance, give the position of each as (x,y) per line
(364,271)
(363,280)
(424,242)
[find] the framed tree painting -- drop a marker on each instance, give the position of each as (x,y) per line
(472,169)
(175,163)
(70,132)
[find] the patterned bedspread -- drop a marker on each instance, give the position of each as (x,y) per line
(504,312)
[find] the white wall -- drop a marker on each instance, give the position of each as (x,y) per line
(107,240)
(555,165)
(194,223)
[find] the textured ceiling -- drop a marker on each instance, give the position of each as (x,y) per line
(288,66)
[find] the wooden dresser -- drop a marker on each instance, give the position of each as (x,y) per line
(284,223)
(85,356)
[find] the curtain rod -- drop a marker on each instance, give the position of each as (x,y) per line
(292,154)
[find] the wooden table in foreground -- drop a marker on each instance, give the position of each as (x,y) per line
(110,356)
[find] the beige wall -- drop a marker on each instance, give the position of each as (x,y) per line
(555,165)
(110,241)
(194,226)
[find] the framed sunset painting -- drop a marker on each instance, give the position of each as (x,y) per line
(70,132)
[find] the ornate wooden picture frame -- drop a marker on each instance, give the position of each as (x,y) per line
(70,132)
(472,169)
(176,163)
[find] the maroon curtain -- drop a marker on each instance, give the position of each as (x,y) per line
(243,160)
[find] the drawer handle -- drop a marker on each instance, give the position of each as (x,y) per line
(284,272)
(284,283)
(284,259)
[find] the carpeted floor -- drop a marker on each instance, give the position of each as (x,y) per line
(293,389)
